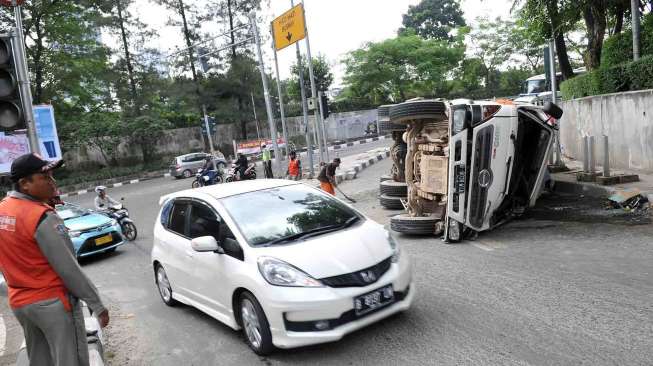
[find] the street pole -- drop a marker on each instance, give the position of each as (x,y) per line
(323,130)
(23,80)
(258,133)
(281,108)
(266,93)
(634,10)
(307,131)
(318,121)
(554,98)
(209,136)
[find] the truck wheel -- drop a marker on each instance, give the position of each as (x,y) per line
(391,203)
(383,112)
(406,224)
(385,177)
(393,189)
(387,126)
(419,109)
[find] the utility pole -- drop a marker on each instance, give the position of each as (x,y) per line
(266,92)
(209,135)
(258,133)
(23,80)
(634,10)
(281,108)
(318,121)
(554,97)
(307,132)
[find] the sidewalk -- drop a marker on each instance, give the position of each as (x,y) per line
(566,181)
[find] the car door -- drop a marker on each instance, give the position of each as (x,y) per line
(213,272)
(175,242)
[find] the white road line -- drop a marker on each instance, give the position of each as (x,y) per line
(483,247)
(3,336)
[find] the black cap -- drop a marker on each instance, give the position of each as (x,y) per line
(28,164)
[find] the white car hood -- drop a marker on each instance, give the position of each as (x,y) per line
(345,251)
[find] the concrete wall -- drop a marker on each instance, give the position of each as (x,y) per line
(340,126)
(627,120)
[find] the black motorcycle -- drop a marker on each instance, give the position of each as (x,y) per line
(121,214)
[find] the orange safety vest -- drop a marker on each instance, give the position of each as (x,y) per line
(293,167)
(29,276)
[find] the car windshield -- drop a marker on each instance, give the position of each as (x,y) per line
(283,214)
(70,212)
(535,86)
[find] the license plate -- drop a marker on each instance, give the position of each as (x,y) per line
(103,240)
(373,300)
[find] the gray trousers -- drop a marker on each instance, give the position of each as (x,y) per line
(54,336)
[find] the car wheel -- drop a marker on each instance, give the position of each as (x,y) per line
(163,284)
(419,109)
(130,231)
(393,189)
(195,184)
(391,203)
(255,325)
(187,173)
(406,224)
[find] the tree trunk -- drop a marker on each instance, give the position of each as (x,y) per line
(189,42)
(130,68)
(595,21)
(563,57)
(231,26)
(620,10)
(234,58)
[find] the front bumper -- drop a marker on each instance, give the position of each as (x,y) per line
(299,307)
(85,244)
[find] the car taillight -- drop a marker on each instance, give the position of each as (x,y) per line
(489,111)
(177,166)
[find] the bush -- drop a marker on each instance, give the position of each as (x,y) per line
(636,75)
(618,49)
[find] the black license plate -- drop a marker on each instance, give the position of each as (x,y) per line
(459,179)
(370,301)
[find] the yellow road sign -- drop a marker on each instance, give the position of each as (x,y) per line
(289,28)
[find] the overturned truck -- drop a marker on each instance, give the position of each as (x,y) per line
(471,166)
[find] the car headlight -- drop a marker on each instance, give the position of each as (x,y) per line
(114,222)
(280,273)
(396,252)
(74,233)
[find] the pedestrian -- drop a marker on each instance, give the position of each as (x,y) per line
(267,162)
(294,167)
(44,281)
(327,176)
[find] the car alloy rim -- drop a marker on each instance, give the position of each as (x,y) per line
(164,285)
(186,173)
(251,323)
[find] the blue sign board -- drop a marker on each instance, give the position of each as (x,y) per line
(46,130)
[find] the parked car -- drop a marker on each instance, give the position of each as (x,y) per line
(91,232)
(185,166)
(288,264)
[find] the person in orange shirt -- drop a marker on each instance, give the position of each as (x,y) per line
(327,176)
(294,167)
(44,281)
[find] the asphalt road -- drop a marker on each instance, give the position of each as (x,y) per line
(538,291)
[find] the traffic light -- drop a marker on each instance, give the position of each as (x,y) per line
(12,116)
(325,106)
(212,124)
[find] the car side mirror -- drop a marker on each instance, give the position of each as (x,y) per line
(206,244)
(552,110)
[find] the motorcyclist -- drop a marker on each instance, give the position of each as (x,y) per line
(103,202)
(209,169)
(242,165)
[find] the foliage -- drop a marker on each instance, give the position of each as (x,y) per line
(145,131)
(635,75)
(401,68)
(492,47)
(433,19)
(619,48)
(321,70)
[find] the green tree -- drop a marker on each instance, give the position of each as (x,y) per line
(433,19)
(492,46)
(322,72)
(400,68)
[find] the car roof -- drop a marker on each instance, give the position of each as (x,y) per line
(223,190)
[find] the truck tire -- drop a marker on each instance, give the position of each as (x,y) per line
(385,177)
(406,224)
(391,203)
(393,189)
(387,126)
(419,109)
(383,112)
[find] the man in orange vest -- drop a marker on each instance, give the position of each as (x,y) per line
(327,176)
(44,280)
(294,167)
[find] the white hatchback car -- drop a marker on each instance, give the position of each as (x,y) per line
(290,265)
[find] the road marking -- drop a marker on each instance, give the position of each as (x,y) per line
(488,245)
(483,247)
(3,336)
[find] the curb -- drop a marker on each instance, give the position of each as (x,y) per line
(349,144)
(114,185)
(361,165)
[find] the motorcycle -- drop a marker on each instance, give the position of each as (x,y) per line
(207,178)
(234,176)
(121,214)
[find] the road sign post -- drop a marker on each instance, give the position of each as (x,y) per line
(281,108)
